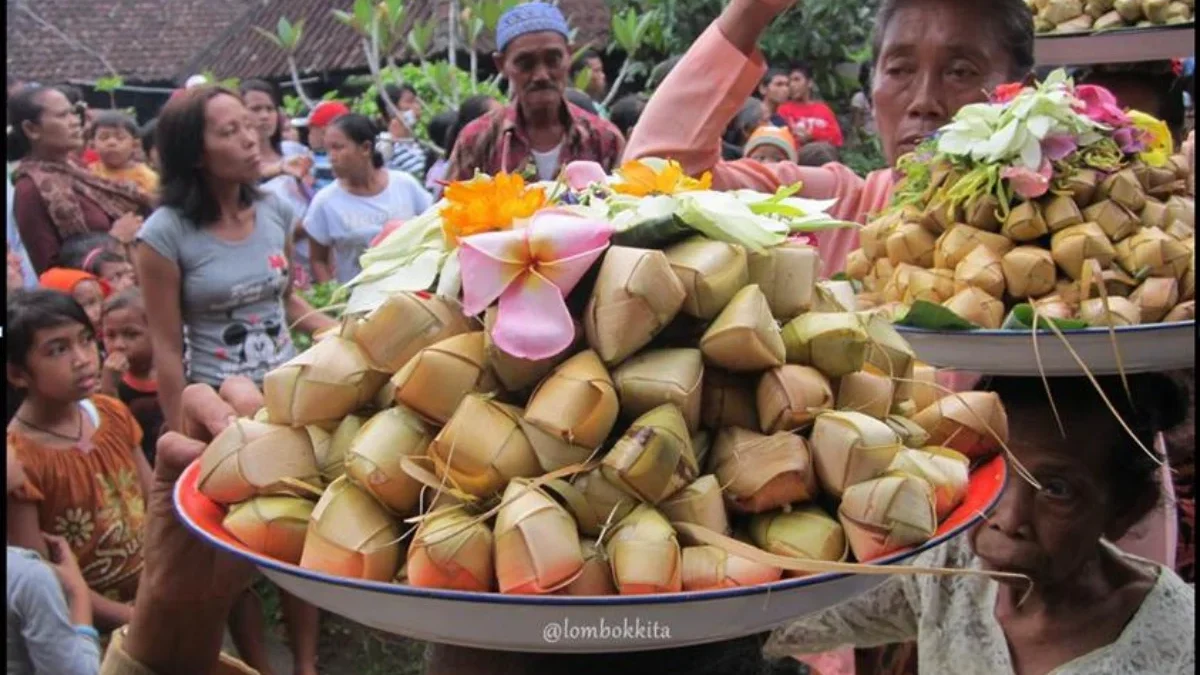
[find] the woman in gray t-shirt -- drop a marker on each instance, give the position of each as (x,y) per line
(213,264)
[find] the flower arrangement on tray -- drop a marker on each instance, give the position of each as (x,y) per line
(1047,197)
(621,384)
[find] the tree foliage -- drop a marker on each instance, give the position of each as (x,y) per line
(831,36)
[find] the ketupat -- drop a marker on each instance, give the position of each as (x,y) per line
(446,481)
(653,460)
(438,377)
(887,513)
(1097,198)
(761,472)
(849,448)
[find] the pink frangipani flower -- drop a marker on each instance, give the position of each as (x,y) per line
(1099,105)
(1029,184)
(530,270)
(580,174)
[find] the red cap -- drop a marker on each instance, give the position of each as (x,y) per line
(326,112)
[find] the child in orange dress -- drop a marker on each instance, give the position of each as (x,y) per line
(117,139)
(86,476)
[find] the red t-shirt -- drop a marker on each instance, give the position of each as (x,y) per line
(814,117)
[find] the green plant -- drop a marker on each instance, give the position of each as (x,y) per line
(826,34)
(110,84)
(862,154)
(431,81)
(231,83)
(287,38)
(380,28)
(319,296)
(629,31)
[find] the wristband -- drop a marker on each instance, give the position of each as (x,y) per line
(90,631)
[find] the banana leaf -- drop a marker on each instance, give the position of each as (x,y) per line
(930,316)
(1021,318)
(656,234)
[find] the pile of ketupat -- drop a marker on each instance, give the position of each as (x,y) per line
(554,430)
(1049,195)
(1080,16)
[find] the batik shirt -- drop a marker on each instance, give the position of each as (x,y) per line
(498,142)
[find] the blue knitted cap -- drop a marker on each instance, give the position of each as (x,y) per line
(531,17)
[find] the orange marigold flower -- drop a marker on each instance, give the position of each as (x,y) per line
(487,204)
(641,179)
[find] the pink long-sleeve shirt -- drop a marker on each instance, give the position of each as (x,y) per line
(684,121)
(711,83)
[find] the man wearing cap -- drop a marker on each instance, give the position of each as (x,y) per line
(540,132)
(323,114)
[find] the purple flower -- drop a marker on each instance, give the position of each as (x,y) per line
(1130,139)
(1058,147)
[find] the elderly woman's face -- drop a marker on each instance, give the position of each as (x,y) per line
(1050,534)
(936,57)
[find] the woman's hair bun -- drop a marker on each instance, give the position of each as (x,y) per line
(1162,397)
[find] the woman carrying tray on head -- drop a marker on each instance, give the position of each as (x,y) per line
(1092,608)
(931,58)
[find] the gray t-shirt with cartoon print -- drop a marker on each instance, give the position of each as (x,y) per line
(232,292)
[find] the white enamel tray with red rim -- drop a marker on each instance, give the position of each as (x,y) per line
(1145,348)
(557,623)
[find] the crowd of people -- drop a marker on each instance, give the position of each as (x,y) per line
(153,273)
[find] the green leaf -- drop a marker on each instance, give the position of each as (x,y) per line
(580,51)
(109,83)
(420,35)
(582,79)
(1021,318)
(284,30)
(346,18)
(269,36)
(654,233)
(647,23)
(395,10)
(622,33)
(297,34)
(930,316)
(364,16)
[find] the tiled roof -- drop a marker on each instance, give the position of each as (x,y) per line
(143,40)
(328,46)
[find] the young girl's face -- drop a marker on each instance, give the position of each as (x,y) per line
(767,153)
(90,296)
(263,113)
(125,332)
(115,145)
(63,364)
(118,275)
(346,156)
